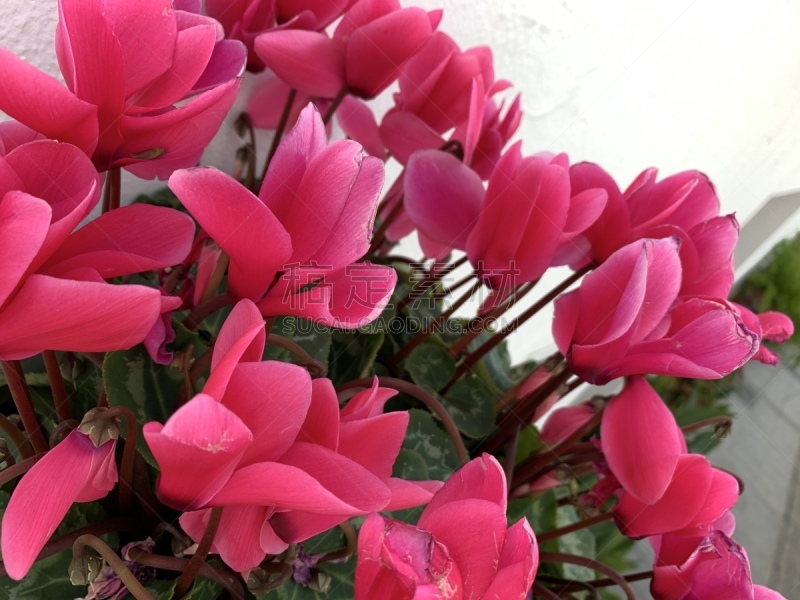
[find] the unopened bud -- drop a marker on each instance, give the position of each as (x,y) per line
(320,582)
(99,427)
(70,366)
(84,568)
(723,429)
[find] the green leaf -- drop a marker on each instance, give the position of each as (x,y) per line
(204,589)
(353,354)
(430,366)
(314,338)
(472,406)
(329,541)
(163,589)
(540,511)
(425,439)
(527,444)
(150,390)
(613,547)
(48,578)
(579,543)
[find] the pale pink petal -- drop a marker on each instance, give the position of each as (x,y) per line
(88,317)
(641,441)
(443,197)
(197,451)
(307,61)
(44,494)
(131,239)
(234,217)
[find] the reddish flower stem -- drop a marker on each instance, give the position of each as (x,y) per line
(431,278)
(334,105)
(427,399)
(135,588)
(721,423)
(244,124)
(423,335)
(561,557)
(350,543)
(13,433)
(15,377)
(198,560)
(60,398)
(112,190)
(305,360)
(557,533)
(539,591)
(204,310)
(495,340)
(380,235)
(216,277)
(18,469)
(640,576)
(128,456)
(276,139)
(172,563)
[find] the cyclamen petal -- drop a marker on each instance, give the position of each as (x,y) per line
(73,471)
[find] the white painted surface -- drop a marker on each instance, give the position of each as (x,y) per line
(709,84)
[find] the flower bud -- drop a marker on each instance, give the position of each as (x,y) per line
(99,427)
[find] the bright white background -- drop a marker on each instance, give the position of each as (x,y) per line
(709,84)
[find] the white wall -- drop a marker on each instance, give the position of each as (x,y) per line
(709,84)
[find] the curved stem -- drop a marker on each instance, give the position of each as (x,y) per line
(128,456)
(205,309)
(60,397)
(15,377)
(13,433)
(18,469)
(172,563)
(427,399)
(495,340)
(542,592)
(591,564)
(350,543)
(639,576)
(557,533)
(115,562)
(312,365)
(276,139)
(570,585)
(198,560)
(722,425)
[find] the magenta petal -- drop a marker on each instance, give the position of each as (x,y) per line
(306,60)
(272,399)
(234,217)
(266,102)
(641,441)
(290,488)
(775,326)
(376,50)
(443,197)
(722,495)
(24,221)
(682,500)
(88,317)
(322,419)
(238,539)
(404,133)
(197,450)
(374,443)
(45,493)
(358,123)
(481,478)
(764,593)
(409,494)
(474,532)
(42,103)
(367,403)
(517,567)
(565,421)
(147,33)
(131,239)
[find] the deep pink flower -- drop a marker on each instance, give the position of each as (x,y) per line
(641,440)
(53,293)
(624,320)
(365,54)
(522,220)
(711,565)
(126,66)
(565,421)
(772,326)
(461,549)
(272,448)
(316,208)
(73,471)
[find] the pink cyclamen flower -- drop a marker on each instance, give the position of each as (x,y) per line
(314,214)
(461,548)
(710,565)
(53,293)
(126,66)
(772,326)
(272,449)
(73,471)
(364,56)
(625,319)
